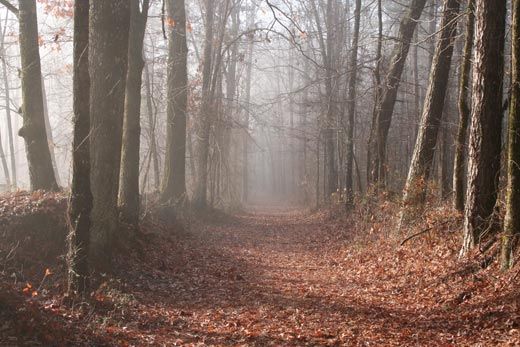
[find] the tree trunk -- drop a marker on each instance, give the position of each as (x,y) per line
(371,175)
(377,144)
(419,173)
(129,200)
(245,139)
(331,174)
(33,132)
(512,218)
(486,122)
(199,198)
(12,152)
(48,132)
(351,106)
(446,164)
(80,203)
(464,111)
(5,166)
(231,104)
(108,55)
(173,190)
(7,175)
(152,118)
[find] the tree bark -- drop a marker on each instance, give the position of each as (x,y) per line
(80,203)
(41,172)
(351,106)
(464,111)
(419,173)
(486,121)
(108,54)
(129,200)
(173,190)
(331,173)
(12,152)
(512,218)
(377,144)
(48,132)
(245,138)
(371,175)
(152,118)
(204,124)
(5,167)
(231,103)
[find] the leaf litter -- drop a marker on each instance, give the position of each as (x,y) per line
(267,278)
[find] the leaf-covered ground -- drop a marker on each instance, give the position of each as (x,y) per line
(289,278)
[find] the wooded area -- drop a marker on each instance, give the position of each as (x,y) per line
(259,172)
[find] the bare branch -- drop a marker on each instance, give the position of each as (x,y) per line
(9,6)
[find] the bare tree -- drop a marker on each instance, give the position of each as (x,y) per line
(12,153)
(173,190)
(33,130)
(199,198)
(464,110)
(486,122)
(512,218)
(108,55)
(80,203)
(129,177)
(419,173)
(379,132)
(351,105)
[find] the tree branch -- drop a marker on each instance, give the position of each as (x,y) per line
(423,232)
(9,6)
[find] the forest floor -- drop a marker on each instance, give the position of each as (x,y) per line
(268,278)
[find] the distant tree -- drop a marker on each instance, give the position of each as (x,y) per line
(351,104)
(173,189)
(108,55)
(486,122)
(512,219)
(130,152)
(246,134)
(204,121)
(7,102)
(378,91)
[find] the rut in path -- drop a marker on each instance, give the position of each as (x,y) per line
(282,279)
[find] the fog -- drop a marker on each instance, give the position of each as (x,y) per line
(269,135)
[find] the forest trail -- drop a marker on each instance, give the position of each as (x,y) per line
(284,278)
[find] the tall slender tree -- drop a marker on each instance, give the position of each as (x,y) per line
(173,190)
(371,175)
(351,105)
(512,219)
(419,173)
(33,130)
(204,121)
(7,104)
(129,177)
(385,109)
(248,82)
(80,203)
(464,110)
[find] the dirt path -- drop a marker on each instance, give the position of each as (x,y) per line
(279,279)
